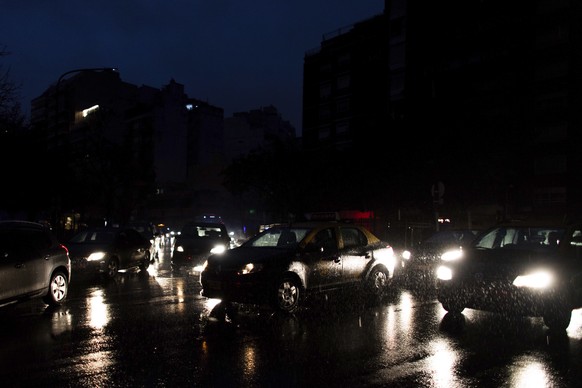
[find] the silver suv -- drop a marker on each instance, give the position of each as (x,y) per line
(33,264)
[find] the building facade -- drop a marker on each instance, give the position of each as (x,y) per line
(481,97)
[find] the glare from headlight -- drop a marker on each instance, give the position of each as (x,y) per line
(250,268)
(200,268)
(218,249)
(95,256)
(406,255)
(452,255)
(539,279)
(444,273)
(179,248)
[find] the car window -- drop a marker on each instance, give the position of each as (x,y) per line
(353,237)
(278,237)
(24,240)
(101,236)
(520,237)
(204,231)
(325,239)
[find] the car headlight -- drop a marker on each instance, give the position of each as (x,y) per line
(250,268)
(406,255)
(200,268)
(95,256)
(538,279)
(452,255)
(444,273)
(218,249)
(179,248)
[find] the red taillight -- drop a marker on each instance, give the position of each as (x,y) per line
(65,248)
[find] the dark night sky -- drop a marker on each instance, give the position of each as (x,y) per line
(238,55)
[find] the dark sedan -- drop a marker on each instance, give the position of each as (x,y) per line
(421,261)
(195,242)
(526,270)
(106,251)
(283,265)
(33,264)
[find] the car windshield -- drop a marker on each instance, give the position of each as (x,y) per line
(203,231)
(280,237)
(94,236)
(451,236)
(520,237)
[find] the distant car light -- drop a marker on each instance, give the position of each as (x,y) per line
(538,279)
(444,273)
(452,255)
(96,256)
(179,248)
(406,255)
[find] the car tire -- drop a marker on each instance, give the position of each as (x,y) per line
(453,306)
(58,289)
(378,283)
(288,295)
(111,269)
(558,320)
(145,263)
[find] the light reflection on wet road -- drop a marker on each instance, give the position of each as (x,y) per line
(157,331)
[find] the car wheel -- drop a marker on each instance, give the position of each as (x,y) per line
(58,289)
(378,283)
(453,306)
(112,268)
(289,293)
(558,320)
(145,263)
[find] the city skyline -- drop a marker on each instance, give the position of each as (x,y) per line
(238,56)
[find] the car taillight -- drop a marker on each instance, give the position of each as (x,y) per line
(65,248)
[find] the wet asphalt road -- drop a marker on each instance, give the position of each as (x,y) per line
(155,330)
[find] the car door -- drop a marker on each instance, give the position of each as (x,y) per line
(324,261)
(21,263)
(355,254)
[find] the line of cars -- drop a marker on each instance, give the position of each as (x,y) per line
(34,264)
(516,268)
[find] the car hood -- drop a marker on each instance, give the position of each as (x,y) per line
(508,261)
(242,255)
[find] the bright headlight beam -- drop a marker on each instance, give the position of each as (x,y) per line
(444,273)
(96,256)
(218,249)
(539,279)
(452,255)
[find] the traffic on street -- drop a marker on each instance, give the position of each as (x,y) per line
(153,329)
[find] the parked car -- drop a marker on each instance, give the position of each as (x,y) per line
(33,264)
(196,241)
(526,270)
(283,265)
(106,251)
(419,263)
